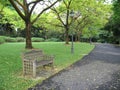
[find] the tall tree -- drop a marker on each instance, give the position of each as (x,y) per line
(25,9)
(113,26)
(116,20)
(86,12)
(62,12)
(94,14)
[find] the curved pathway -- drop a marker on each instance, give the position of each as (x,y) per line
(100,70)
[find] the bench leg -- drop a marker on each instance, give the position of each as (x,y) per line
(51,65)
(34,69)
(24,69)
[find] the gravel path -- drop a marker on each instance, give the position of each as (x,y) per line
(100,70)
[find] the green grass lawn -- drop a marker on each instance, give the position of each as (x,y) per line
(11,64)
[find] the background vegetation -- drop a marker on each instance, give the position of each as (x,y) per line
(113,26)
(93,19)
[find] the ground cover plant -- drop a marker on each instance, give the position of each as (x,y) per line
(11,64)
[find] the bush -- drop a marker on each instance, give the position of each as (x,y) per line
(55,34)
(53,40)
(9,39)
(34,39)
(20,39)
(2,39)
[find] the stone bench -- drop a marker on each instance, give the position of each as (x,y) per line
(34,59)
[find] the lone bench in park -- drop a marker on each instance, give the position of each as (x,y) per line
(33,59)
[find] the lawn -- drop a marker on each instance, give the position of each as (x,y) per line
(11,64)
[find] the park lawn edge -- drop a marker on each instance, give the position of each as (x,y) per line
(36,45)
(62,69)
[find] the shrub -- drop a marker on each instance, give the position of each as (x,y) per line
(20,39)
(53,40)
(34,39)
(2,39)
(9,39)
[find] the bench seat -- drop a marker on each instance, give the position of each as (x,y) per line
(34,59)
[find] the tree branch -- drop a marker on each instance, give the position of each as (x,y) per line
(34,2)
(17,9)
(33,8)
(58,16)
(79,22)
(84,25)
(54,24)
(68,12)
(65,3)
(69,3)
(19,4)
(44,11)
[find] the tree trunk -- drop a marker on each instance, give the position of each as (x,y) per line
(119,41)
(28,36)
(67,36)
(79,33)
(76,37)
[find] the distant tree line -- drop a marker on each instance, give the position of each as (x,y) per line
(58,24)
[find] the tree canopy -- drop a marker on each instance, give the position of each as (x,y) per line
(25,10)
(87,14)
(113,26)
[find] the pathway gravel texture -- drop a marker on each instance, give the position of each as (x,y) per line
(100,70)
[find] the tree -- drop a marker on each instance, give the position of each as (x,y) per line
(62,13)
(6,17)
(116,20)
(79,26)
(86,12)
(113,26)
(92,13)
(25,10)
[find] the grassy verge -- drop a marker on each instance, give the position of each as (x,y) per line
(11,63)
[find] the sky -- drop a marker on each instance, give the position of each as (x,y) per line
(40,7)
(109,1)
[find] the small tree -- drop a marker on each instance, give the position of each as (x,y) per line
(25,9)
(62,14)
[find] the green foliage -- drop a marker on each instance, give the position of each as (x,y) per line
(35,39)
(116,20)
(116,11)
(53,40)
(10,39)
(49,26)
(92,13)
(113,26)
(55,34)
(20,39)
(3,4)
(12,17)
(11,62)
(2,39)
(9,21)
(96,11)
